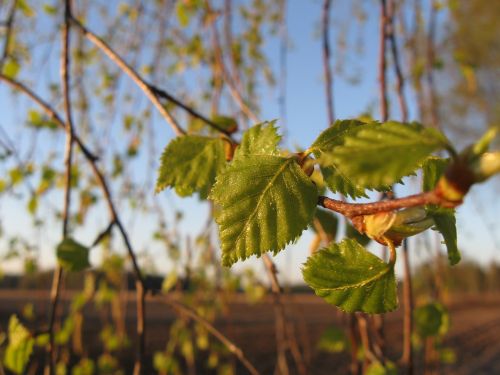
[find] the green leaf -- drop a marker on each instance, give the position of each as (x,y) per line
(377,368)
(328,221)
(444,218)
(262,139)
(446,224)
(433,169)
(11,68)
(334,135)
(190,164)
(375,156)
(20,346)
(39,121)
(431,320)
(227,123)
(333,340)
(327,141)
(25,8)
(348,276)
(72,255)
(265,202)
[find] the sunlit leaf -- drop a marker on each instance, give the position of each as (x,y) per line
(376,155)
(262,139)
(19,348)
(348,276)
(190,164)
(265,203)
(326,142)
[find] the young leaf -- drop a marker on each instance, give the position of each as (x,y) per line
(190,164)
(20,346)
(327,141)
(229,124)
(348,276)
(446,224)
(444,219)
(333,340)
(377,368)
(72,255)
(265,202)
(261,139)
(380,155)
(433,169)
(431,320)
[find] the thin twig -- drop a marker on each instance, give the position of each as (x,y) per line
(111,208)
(231,346)
(68,154)
(382,62)
(430,56)
(138,80)
(279,316)
(9,25)
(327,71)
(102,235)
(233,90)
(407,355)
(351,210)
(400,81)
(50,111)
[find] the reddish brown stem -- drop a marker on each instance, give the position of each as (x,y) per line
(351,210)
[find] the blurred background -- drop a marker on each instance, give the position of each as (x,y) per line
(303,63)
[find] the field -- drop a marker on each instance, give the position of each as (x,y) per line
(474,335)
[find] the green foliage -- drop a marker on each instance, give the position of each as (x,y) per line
(261,139)
(444,219)
(190,164)
(11,68)
(328,140)
(85,367)
(431,320)
(229,124)
(348,276)
(39,121)
(377,368)
(333,340)
(266,202)
(376,155)
(72,256)
(19,348)
(446,224)
(433,169)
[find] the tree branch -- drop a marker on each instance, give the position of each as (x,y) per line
(231,346)
(351,210)
(325,24)
(382,62)
(68,155)
(139,81)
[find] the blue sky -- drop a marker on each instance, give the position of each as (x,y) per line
(306,118)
